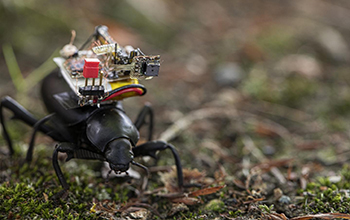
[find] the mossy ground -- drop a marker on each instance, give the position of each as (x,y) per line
(29,191)
(329,194)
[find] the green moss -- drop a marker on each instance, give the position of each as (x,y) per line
(291,90)
(121,196)
(325,196)
(30,193)
(345,172)
(215,205)
(276,41)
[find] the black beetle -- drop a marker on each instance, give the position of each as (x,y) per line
(98,132)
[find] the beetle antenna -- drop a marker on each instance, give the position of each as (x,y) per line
(142,166)
(145,182)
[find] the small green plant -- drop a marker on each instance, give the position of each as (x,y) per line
(235,213)
(23,85)
(266,209)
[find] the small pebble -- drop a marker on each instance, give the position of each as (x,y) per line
(284,199)
(228,74)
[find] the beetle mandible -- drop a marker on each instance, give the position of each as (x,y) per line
(88,121)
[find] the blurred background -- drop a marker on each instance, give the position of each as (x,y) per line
(271,78)
(286,62)
(251,55)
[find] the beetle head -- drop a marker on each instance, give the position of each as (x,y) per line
(119,155)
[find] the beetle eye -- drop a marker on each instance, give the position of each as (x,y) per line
(132,154)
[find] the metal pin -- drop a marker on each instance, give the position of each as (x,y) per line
(101,77)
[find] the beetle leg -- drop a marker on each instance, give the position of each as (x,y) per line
(63,147)
(19,113)
(72,151)
(32,140)
(69,149)
(150,149)
(39,126)
(141,119)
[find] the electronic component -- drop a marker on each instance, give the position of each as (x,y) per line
(91,70)
(114,66)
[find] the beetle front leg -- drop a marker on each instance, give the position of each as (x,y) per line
(64,148)
(150,149)
(72,151)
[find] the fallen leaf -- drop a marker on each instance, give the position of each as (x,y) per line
(254,200)
(92,209)
(311,145)
(220,174)
(136,213)
(205,191)
(266,166)
(187,200)
(276,216)
(323,216)
(239,183)
(46,197)
(265,130)
(169,179)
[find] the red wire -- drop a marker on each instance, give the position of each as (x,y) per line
(137,90)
